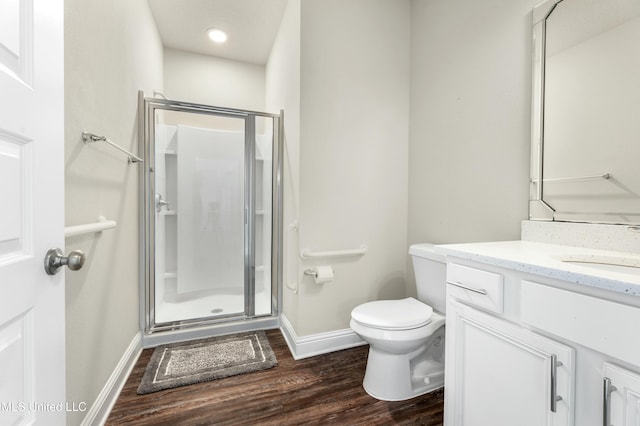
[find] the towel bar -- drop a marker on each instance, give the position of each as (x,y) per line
(90,137)
(602,176)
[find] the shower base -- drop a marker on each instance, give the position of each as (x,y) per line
(210,306)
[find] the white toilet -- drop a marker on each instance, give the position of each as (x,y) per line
(406,337)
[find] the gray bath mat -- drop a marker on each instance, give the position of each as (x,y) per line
(198,361)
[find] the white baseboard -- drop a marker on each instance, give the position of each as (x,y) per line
(101,407)
(317,344)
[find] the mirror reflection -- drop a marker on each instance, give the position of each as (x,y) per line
(591,104)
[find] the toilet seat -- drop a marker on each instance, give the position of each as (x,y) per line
(403,314)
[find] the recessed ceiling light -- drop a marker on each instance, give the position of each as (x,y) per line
(217,35)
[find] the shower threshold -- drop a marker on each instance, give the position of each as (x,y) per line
(236,324)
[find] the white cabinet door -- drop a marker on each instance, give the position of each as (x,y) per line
(500,374)
(624,397)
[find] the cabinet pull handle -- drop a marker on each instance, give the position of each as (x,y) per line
(608,388)
(554,383)
(475,290)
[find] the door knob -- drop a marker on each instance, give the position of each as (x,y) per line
(55,259)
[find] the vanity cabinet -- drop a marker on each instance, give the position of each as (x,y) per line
(522,349)
(621,396)
(503,374)
(499,373)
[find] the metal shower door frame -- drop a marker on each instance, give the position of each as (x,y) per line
(147,108)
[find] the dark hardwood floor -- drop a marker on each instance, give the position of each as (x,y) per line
(326,389)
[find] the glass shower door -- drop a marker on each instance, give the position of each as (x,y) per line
(211,194)
(200,216)
(263,134)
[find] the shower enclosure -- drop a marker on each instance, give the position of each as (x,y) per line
(211,216)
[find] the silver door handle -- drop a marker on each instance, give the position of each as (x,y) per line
(161,203)
(466,287)
(608,388)
(554,383)
(55,259)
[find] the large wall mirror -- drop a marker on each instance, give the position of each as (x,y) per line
(585,156)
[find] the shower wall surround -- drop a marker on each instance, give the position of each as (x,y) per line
(211,203)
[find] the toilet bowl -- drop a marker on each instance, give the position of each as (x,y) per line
(406,358)
(406,336)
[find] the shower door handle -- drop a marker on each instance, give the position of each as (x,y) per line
(161,203)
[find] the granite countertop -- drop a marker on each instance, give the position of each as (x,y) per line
(545,260)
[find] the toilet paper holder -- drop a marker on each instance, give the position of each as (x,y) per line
(311,273)
(320,274)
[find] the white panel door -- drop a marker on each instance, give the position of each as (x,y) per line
(499,374)
(32,362)
(624,397)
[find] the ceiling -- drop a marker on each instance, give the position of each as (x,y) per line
(250,24)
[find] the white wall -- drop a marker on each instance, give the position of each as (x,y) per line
(283,92)
(470,120)
(467,157)
(354,111)
(112,50)
(213,81)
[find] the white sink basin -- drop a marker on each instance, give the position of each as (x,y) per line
(621,264)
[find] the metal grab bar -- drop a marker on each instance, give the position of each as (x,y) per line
(90,137)
(602,176)
(101,225)
(308,254)
(293,286)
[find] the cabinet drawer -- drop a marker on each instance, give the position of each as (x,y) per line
(475,287)
(605,326)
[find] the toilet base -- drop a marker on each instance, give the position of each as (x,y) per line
(393,377)
(424,391)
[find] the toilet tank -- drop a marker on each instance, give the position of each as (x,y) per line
(429,268)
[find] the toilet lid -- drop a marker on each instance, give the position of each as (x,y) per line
(401,314)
